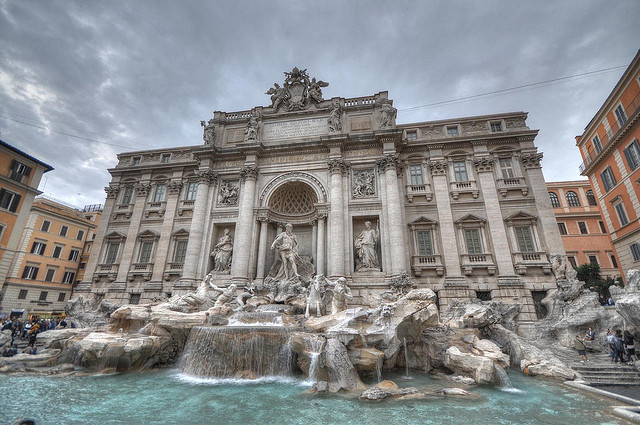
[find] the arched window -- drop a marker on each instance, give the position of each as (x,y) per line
(591,198)
(554,200)
(572,199)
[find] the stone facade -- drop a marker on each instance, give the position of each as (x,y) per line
(460,204)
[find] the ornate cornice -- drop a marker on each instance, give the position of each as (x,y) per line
(142,188)
(484,164)
(249,172)
(112,190)
(531,160)
(390,161)
(338,166)
(174,187)
(206,176)
(438,167)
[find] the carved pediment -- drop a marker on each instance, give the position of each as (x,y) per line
(423,220)
(470,218)
(148,234)
(115,236)
(521,216)
(180,232)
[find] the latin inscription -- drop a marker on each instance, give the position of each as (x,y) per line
(293,129)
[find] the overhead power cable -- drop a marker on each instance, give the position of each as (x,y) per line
(69,134)
(538,84)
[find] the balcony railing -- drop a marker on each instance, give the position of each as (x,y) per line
(427,262)
(419,190)
(522,260)
(471,261)
(457,188)
(612,134)
(514,183)
(141,269)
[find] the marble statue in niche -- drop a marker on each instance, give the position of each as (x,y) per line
(366,253)
(334,122)
(221,253)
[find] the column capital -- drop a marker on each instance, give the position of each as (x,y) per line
(206,176)
(142,188)
(531,160)
(390,161)
(112,190)
(484,164)
(338,165)
(438,167)
(174,187)
(249,172)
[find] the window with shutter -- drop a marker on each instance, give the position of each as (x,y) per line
(472,238)
(525,240)
(425,242)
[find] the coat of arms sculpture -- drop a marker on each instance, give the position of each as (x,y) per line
(298,92)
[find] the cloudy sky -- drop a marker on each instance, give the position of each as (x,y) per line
(81,81)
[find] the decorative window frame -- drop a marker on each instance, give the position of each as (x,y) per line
(456,188)
(143,269)
(417,190)
(420,263)
(468,261)
(524,260)
(174,269)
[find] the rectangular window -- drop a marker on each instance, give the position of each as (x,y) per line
(45,226)
(68,277)
(621,116)
(18,171)
(43,296)
(608,180)
(165,157)
(614,262)
(563,228)
(159,195)
(460,171)
(181,252)
(80,235)
(412,135)
(57,251)
(572,261)
(593,259)
(64,230)
(73,255)
(506,166)
(635,251)
(112,253)
(38,248)
(127,195)
(192,189)
(9,200)
(622,214)
(525,240)
(596,144)
(82,266)
(61,296)
(87,248)
(415,171)
(145,252)
(425,242)
(134,298)
(602,228)
(472,238)
(583,228)
(2,227)
(452,131)
(50,275)
(135,160)
(632,154)
(496,127)
(23,294)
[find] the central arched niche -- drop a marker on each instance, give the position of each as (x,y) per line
(293,199)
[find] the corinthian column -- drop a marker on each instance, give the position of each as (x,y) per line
(450,252)
(337,167)
(390,165)
(194,246)
(262,248)
(142,191)
(242,248)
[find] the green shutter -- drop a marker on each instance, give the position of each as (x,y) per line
(472,237)
(525,240)
(425,243)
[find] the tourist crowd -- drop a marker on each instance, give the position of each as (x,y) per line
(620,345)
(28,330)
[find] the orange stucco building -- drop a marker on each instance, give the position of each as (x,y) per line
(20,175)
(43,272)
(584,234)
(611,153)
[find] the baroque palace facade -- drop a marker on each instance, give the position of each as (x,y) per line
(460,205)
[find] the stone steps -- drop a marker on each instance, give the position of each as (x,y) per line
(600,371)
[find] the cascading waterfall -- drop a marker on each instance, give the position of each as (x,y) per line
(257,318)
(314,348)
(502,376)
(379,363)
(224,352)
(406,359)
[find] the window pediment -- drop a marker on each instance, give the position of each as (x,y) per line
(522,217)
(115,236)
(148,234)
(471,219)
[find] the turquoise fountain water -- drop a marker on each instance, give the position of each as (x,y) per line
(170,397)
